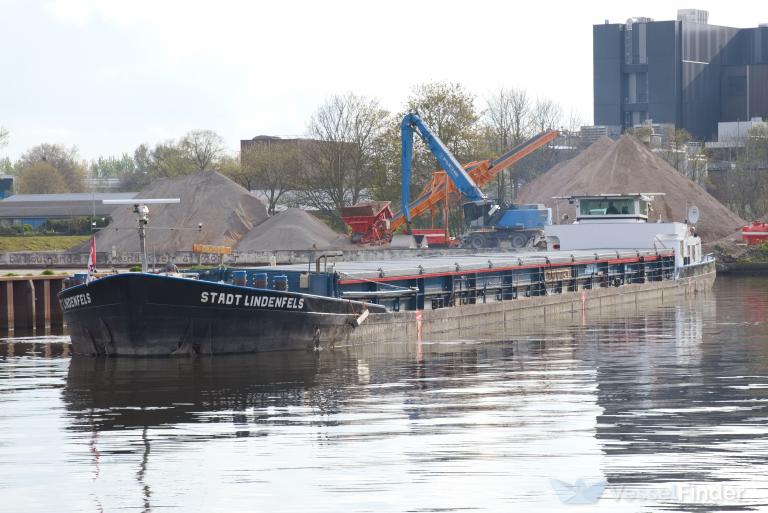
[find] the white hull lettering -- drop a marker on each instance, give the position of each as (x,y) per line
(272,302)
(75,301)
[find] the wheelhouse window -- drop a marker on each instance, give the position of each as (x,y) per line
(607,206)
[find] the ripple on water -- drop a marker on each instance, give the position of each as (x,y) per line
(654,408)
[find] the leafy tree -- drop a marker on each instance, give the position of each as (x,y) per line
(113,167)
(204,148)
(338,163)
(139,177)
(169,160)
(3,137)
(643,133)
(65,160)
(40,178)
(199,150)
(449,112)
(6,166)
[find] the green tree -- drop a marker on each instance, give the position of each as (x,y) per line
(642,133)
(6,166)
(449,112)
(65,160)
(169,160)
(40,178)
(113,167)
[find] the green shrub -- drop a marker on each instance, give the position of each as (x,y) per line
(47,272)
(135,269)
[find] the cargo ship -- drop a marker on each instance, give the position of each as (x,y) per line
(610,255)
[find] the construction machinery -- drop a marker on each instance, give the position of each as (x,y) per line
(370,224)
(442,190)
(489,224)
(369,221)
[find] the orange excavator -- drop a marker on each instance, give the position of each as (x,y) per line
(439,190)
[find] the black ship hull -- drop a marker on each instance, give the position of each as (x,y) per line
(139,314)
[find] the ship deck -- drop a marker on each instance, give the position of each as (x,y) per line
(385,270)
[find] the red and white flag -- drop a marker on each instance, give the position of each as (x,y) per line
(92,257)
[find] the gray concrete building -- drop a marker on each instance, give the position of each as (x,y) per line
(684,72)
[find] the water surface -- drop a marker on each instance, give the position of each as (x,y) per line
(649,408)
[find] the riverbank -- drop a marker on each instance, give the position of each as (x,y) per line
(742,259)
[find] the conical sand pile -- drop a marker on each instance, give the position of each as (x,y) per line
(226,210)
(292,229)
(628,166)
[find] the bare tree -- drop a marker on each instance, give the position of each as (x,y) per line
(508,118)
(508,114)
(338,164)
(574,121)
(546,114)
(748,181)
(3,137)
(203,147)
(272,168)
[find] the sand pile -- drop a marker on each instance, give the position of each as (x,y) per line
(628,166)
(292,229)
(226,210)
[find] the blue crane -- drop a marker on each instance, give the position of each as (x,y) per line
(488,222)
(413,123)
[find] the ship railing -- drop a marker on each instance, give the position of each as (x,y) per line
(472,289)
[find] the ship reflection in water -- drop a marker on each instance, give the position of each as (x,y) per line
(637,410)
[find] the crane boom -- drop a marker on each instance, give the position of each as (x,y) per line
(463,182)
(481,172)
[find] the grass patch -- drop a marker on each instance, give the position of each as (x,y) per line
(40,242)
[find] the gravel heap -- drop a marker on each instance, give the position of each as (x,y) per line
(292,229)
(226,210)
(628,166)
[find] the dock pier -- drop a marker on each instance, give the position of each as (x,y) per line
(30,302)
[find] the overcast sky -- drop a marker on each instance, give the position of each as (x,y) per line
(107,76)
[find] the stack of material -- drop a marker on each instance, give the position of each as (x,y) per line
(292,229)
(628,166)
(226,211)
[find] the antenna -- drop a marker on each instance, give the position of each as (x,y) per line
(141,210)
(693,214)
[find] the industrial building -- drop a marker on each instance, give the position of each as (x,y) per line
(35,209)
(683,72)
